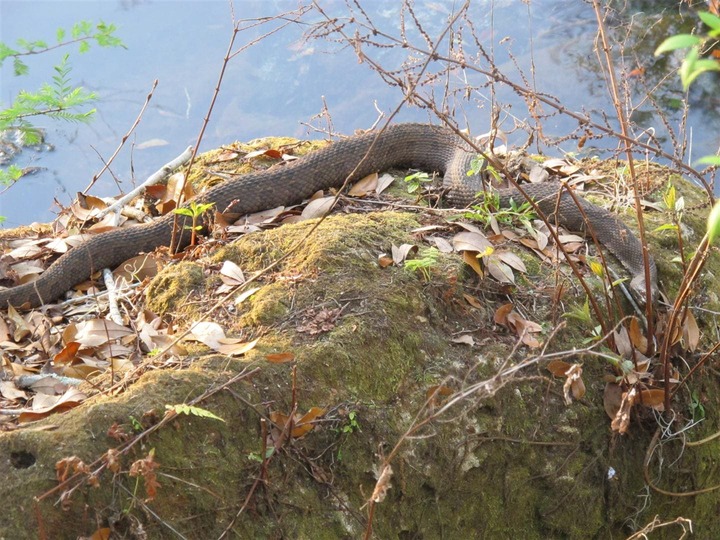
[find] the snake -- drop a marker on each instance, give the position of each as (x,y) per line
(417,146)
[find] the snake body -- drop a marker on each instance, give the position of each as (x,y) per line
(420,146)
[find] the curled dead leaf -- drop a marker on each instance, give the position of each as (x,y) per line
(280,358)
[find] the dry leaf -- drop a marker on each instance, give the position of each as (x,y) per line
(266,152)
(501,314)
(280,358)
(621,421)
(95,332)
(471,241)
(44,405)
(573,383)
(25,252)
(623,342)
(231,274)
(137,268)
(558,368)
(637,337)
(8,390)
(209,333)
(399,254)
(691,332)
(67,354)
(240,298)
(384,182)
(470,258)
(236,349)
(511,260)
(612,398)
(443,245)
(499,270)
(464,340)
(317,208)
(474,302)
(383,485)
(384,261)
(364,186)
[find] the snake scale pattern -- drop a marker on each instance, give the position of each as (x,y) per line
(420,146)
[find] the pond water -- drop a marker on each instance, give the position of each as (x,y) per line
(277,85)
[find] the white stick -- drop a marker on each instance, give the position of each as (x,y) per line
(112,297)
(165,171)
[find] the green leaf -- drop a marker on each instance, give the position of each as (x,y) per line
(6,52)
(688,66)
(666,227)
(60,34)
(83,47)
(10,175)
(714,222)
(183,408)
(82,28)
(700,67)
(183,212)
(710,160)
(679,41)
(713,21)
(19,67)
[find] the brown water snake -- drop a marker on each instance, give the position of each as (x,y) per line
(420,146)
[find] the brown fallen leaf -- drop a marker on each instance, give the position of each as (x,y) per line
(471,259)
(237,348)
(691,332)
(137,268)
(471,241)
(280,358)
(95,332)
(44,405)
(653,398)
(317,208)
(474,302)
(501,314)
(364,186)
(399,254)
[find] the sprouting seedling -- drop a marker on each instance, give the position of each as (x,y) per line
(194,211)
(428,258)
(415,180)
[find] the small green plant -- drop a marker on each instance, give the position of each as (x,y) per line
(488,210)
(696,407)
(479,164)
(135,424)
(184,408)
(352,425)
(427,258)
(194,211)
(581,313)
(255,456)
(348,428)
(416,180)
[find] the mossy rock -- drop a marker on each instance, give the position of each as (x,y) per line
(511,460)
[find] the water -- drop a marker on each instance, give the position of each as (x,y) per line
(277,85)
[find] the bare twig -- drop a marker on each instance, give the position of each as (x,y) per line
(124,138)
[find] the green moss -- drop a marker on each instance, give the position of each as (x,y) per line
(173,286)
